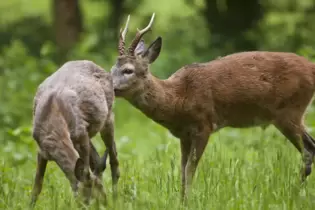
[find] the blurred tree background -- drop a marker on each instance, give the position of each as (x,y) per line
(38,36)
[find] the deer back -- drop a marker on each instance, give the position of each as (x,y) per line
(87,91)
(244,89)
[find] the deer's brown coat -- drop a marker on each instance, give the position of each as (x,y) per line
(239,90)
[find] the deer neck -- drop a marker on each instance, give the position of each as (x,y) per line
(156,100)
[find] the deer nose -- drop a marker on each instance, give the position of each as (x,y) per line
(115,83)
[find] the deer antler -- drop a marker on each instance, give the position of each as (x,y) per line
(122,35)
(139,35)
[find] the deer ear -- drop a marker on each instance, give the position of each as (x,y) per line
(79,170)
(102,165)
(140,48)
(153,51)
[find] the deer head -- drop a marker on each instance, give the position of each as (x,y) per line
(132,67)
(90,184)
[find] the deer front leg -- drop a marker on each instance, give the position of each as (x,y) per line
(40,172)
(185,149)
(107,134)
(199,142)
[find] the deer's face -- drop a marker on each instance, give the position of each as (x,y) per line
(90,185)
(130,72)
(131,69)
(91,188)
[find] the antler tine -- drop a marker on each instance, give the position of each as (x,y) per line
(126,27)
(122,36)
(139,35)
(149,26)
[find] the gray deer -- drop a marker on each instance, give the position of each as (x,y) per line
(240,90)
(70,107)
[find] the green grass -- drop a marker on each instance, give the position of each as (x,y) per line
(241,169)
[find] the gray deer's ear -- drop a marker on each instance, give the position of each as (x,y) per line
(153,51)
(79,171)
(102,164)
(140,48)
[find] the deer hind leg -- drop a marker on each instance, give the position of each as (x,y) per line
(309,147)
(39,178)
(297,135)
(84,144)
(198,142)
(107,134)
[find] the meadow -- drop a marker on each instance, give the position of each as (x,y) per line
(240,169)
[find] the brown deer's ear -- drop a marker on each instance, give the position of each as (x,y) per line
(153,51)
(79,171)
(140,48)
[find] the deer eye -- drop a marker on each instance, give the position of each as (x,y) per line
(127,71)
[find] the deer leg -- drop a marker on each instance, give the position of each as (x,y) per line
(309,152)
(107,134)
(296,134)
(185,149)
(39,177)
(84,152)
(198,145)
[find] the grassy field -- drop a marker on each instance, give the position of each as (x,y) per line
(241,169)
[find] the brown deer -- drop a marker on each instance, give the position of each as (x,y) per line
(70,107)
(240,90)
